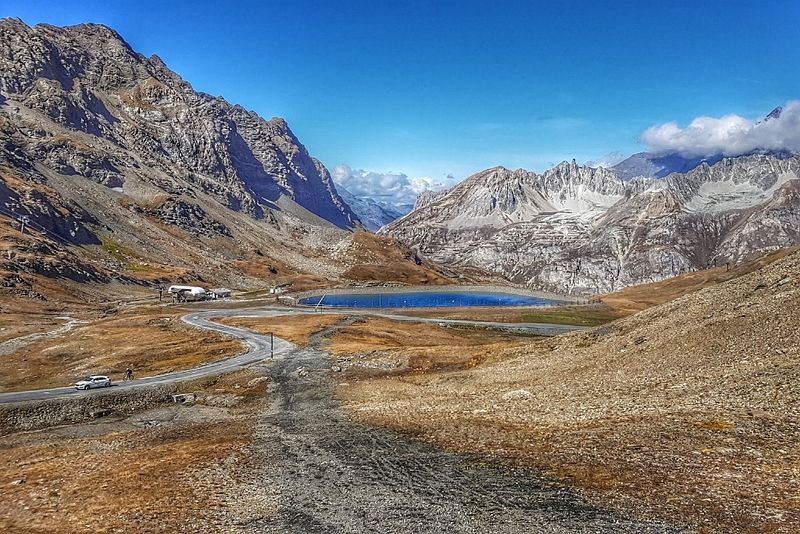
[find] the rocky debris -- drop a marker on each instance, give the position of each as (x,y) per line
(45,210)
(516,394)
(582,230)
(257,381)
(40,257)
(58,411)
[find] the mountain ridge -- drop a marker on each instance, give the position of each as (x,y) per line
(74,74)
(578,229)
(122,172)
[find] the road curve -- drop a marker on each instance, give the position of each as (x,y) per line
(259,346)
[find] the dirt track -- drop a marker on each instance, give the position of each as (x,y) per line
(324,473)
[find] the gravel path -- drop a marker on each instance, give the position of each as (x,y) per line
(14,344)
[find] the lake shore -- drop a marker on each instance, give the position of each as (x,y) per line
(566,299)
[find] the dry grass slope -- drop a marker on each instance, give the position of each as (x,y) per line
(153,340)
(687,411)
(295,329)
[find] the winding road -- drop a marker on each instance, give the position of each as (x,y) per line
(316,471)
(259,346)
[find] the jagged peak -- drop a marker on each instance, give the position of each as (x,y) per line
(774,114)
(13,22)
(92,30)
(279,122)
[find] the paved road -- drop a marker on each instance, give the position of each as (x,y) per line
(258,346)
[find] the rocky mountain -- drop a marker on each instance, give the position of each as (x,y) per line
(122,170)
(578,229)
(87,79)
(659,165)
(372,214)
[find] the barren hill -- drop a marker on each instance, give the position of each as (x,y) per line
(686,411)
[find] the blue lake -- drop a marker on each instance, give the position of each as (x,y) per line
(426,299)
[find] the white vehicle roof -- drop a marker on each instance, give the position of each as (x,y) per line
(191,289)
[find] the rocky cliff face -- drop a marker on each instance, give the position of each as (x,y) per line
(84,103)
(583,230)
(101,145)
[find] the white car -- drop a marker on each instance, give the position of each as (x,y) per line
(94,381)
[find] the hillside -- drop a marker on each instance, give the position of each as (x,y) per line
(685,411)
(124,173)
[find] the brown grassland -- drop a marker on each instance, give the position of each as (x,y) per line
(686,411)
(384,347)
(153,471)
(295,329)
(151,339)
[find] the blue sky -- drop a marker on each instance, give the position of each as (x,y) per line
(450,88)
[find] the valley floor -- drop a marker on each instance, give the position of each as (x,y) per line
(283,460)
(681,416)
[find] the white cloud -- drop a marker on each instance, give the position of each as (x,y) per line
(395,189)
(731,135)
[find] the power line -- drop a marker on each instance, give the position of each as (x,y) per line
(26,220)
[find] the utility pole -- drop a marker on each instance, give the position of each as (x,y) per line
(271,346)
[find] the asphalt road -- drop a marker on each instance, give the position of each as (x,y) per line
(259,346)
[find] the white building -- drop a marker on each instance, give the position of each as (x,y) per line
(219,293)
(187,292)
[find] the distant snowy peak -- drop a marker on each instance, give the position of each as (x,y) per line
(372,214)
